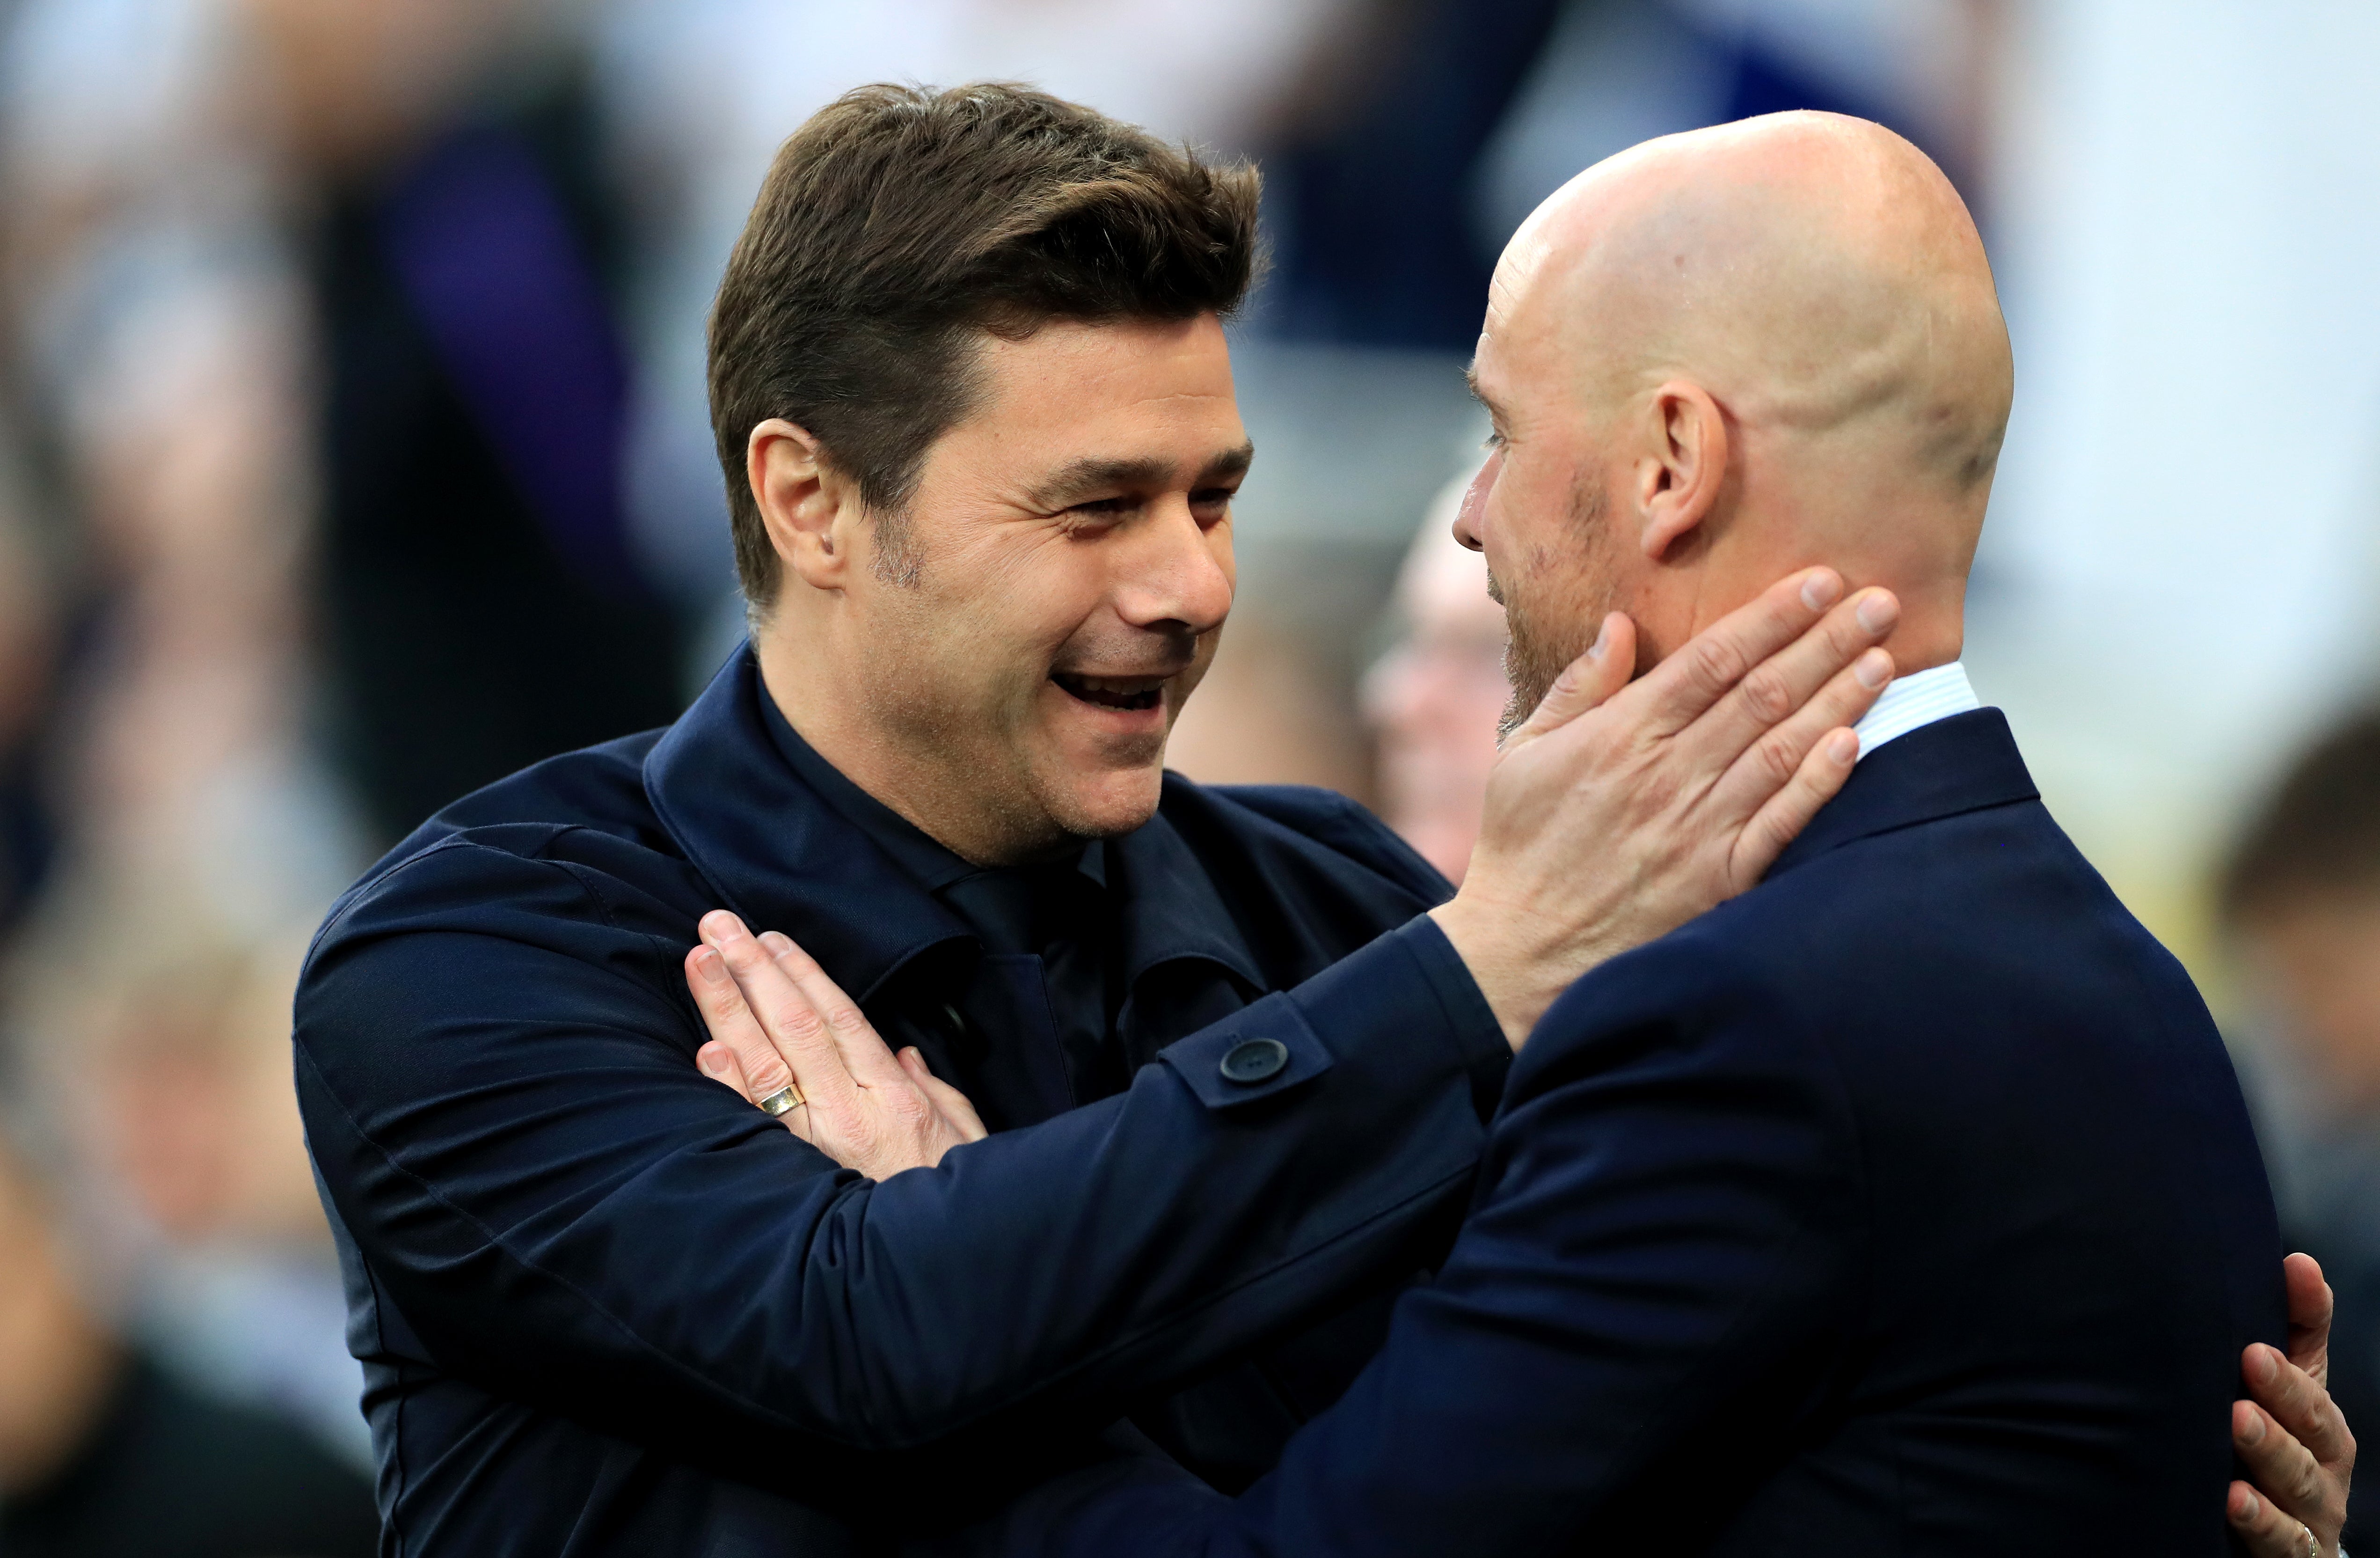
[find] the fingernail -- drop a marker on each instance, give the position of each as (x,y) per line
(2243,1506)
(1872,669)
(2255,1433)
(1842,746)
(719,927)
(1877,611)
(1602,641)
(713,968)
(1818,591)
(2261,1367)
(712,1061)
(777,942)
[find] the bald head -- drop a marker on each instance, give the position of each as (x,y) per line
(1726,354)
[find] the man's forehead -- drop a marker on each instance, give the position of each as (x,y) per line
(1516,272)
(1508,353)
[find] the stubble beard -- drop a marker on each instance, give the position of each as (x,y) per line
(1546,635)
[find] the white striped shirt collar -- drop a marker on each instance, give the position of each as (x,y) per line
(1918,698)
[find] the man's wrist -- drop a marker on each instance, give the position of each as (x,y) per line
(1471,1023)
(1518,976)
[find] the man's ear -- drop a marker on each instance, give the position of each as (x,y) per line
(807,507)
(1677,480)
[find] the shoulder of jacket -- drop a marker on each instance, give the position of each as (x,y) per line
(1316,816)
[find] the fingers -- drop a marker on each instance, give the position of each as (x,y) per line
(2297,1406)
(1780,819)
(2266,1532)
(2283,1470)
(1585,682)
(1687,684)
(2309,1312)
(739,1053)
(718,1062)
(1778,756)
(946,1098)
(865,1054)
(794,1046)
(1811,665)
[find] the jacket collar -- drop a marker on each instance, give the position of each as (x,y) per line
(775,852)
(1963,763)
(1171,906)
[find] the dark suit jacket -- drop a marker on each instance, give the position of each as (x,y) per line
(1906,1204)
(606,1307)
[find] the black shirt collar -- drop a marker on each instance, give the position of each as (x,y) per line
(766,831)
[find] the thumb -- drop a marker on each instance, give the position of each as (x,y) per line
(1585,682)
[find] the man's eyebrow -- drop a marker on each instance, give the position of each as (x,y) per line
(1079,479)
(1229,463)
(1471,382)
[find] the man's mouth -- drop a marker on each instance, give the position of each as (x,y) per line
(1112,692)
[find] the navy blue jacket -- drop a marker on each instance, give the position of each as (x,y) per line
(606,1306)
(1904,1205)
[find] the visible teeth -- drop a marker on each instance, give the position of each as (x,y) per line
(1113,692)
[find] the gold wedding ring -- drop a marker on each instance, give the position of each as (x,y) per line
(783,1100)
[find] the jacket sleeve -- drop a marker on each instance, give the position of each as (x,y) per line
(548,1198)
(1641,1293)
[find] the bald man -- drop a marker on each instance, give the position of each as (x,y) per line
(1905,1203)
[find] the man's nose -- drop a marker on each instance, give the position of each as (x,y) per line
(1468,517)
(1181,572)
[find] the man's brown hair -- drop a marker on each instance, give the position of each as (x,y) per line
(2318,836)
(897,223)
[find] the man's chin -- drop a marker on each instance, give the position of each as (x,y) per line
(1108,803)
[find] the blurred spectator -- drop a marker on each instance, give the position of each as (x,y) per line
(158,369)
(105,1453)
(1434,699)
(2301,898)
(1368,204)
(199,1203)
(483,604)
(29,647)
(1449,120)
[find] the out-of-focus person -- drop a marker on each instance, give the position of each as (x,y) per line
(2302,900)
(482,600)
(1434,699)
(197,1207)
(156,341)
(28,658)
(106,1453)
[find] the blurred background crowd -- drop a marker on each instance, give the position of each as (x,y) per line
(354,452)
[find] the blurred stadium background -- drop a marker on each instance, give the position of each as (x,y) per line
(354,452)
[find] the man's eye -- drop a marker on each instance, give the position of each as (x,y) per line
(1102,508)
(1495,441)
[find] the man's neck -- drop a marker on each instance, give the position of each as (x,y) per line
(886,768)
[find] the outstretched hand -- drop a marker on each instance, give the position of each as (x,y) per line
(778,1023)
